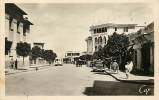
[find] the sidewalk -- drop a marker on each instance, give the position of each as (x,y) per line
(9,71)
(121,76)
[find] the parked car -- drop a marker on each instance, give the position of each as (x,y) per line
(58,62)
(98,66)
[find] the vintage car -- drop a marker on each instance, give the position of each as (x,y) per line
(58,62)
(98,66)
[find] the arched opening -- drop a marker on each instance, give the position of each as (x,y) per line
(100,40)
(96,48)
(105,40)
(96,40)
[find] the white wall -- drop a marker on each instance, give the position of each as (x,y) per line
(15,38)
(110,31)
(89,46)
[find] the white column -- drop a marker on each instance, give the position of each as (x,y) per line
(7,26)
(93,40)
(21,31)
(15,36)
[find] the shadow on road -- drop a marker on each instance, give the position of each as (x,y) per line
(109,88)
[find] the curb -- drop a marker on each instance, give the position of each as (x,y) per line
(33,69)
(131,81)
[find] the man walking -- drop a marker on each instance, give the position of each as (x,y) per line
(12,63)
(115,66)
(16,64)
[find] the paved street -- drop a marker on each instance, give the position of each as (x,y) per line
(66,80)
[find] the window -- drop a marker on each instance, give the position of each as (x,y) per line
(77,54)
(18,27)
(102,29)
(68,54)
(115,28)
(11,23)
(96,48)
(105,29)
(95,30)
(105,41)
(100,40)
(96,40)
(126,29)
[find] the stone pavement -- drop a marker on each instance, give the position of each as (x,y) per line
(121,76)
(9,71)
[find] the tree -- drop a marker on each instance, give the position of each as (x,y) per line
(49,56)
(99,54)
(23,49)
(117,47)
(42,54)
(86,57)
(35,53)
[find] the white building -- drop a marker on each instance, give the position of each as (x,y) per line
(89,45)
(17,29)
(38,44)
(70,55)
(100,33)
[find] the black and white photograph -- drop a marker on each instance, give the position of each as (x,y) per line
(79,49)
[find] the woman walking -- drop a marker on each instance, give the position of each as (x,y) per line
(128,68)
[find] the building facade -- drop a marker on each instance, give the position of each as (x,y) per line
(38,44)
(89,45)
(71,55)
(143,41)
(17,29)
(100,33)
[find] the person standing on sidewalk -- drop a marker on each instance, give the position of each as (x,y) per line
(12,63)
(115,66)
(16,64)
(128,68)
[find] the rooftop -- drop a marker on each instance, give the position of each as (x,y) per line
(15,12)
(38,43)
(112,25)
(27,22)
(12,7)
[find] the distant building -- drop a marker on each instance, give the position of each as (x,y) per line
(71,55)
(100,33)
(17,29)
(38,44)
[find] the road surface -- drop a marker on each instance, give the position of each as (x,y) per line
(66,80)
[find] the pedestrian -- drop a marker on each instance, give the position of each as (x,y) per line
(16,64)
(36,68)
(115,66)
(12,63)
(128,68)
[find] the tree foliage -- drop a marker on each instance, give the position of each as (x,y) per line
(99,54)
(35,52)
(86,57)
(116,48)
(49,55)
(117,45)
(23,49)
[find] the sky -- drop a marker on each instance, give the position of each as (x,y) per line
(64,27)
